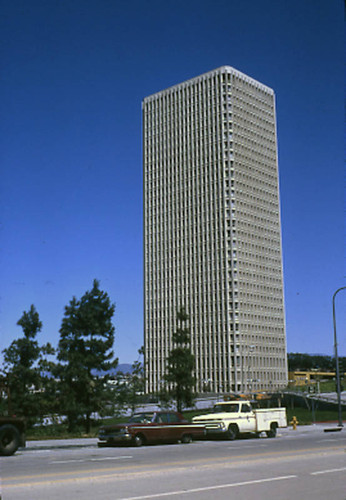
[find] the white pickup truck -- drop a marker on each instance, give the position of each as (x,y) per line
(232,418)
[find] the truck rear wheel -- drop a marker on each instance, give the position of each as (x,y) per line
(232,432)
(272,432)
(9,440)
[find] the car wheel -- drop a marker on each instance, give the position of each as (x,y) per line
(232,432)
(9,440)
(138,440)
(187,438)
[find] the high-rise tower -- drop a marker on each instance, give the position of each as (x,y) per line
(212,236)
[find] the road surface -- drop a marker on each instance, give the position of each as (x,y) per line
(307,464)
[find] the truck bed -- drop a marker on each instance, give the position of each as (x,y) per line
(264,417)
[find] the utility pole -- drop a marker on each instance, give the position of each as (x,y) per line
(338,388)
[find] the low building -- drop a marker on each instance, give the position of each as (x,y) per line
(309,377)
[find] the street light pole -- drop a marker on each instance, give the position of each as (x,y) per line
(249,368)
(338,388)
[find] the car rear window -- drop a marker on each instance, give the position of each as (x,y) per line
(142,418)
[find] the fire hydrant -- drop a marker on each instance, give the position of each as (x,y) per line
(294,422)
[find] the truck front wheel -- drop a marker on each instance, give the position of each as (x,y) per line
(9,440)
(232,432)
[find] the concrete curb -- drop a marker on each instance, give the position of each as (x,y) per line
(61,443)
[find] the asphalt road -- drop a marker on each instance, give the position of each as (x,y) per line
(307,464)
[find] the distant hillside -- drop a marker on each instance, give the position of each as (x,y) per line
(124,367)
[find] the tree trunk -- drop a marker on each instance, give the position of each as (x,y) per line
(71,418)
(87,423)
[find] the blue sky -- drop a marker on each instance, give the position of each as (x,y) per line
(74,73)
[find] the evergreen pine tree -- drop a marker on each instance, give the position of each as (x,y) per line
(86,356)
(24,361)
(180,365)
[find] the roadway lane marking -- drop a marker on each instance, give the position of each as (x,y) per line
(329,440)
(138,470)
(210,488)
(327,471)
(81,460)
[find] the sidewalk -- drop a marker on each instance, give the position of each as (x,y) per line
(319,427)
(48,444)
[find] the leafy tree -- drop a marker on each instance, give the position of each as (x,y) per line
(136,382)
(180,365)
(302,361)
(119,392)
(86,356)
(24,365)
(129,387)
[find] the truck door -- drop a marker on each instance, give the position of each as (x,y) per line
(248,419)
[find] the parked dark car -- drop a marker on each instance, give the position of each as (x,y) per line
(150,428)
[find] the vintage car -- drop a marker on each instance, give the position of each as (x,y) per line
(149,428)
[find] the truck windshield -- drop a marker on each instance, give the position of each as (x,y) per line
(231,408)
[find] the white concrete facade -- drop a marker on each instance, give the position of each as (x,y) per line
(212,232)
